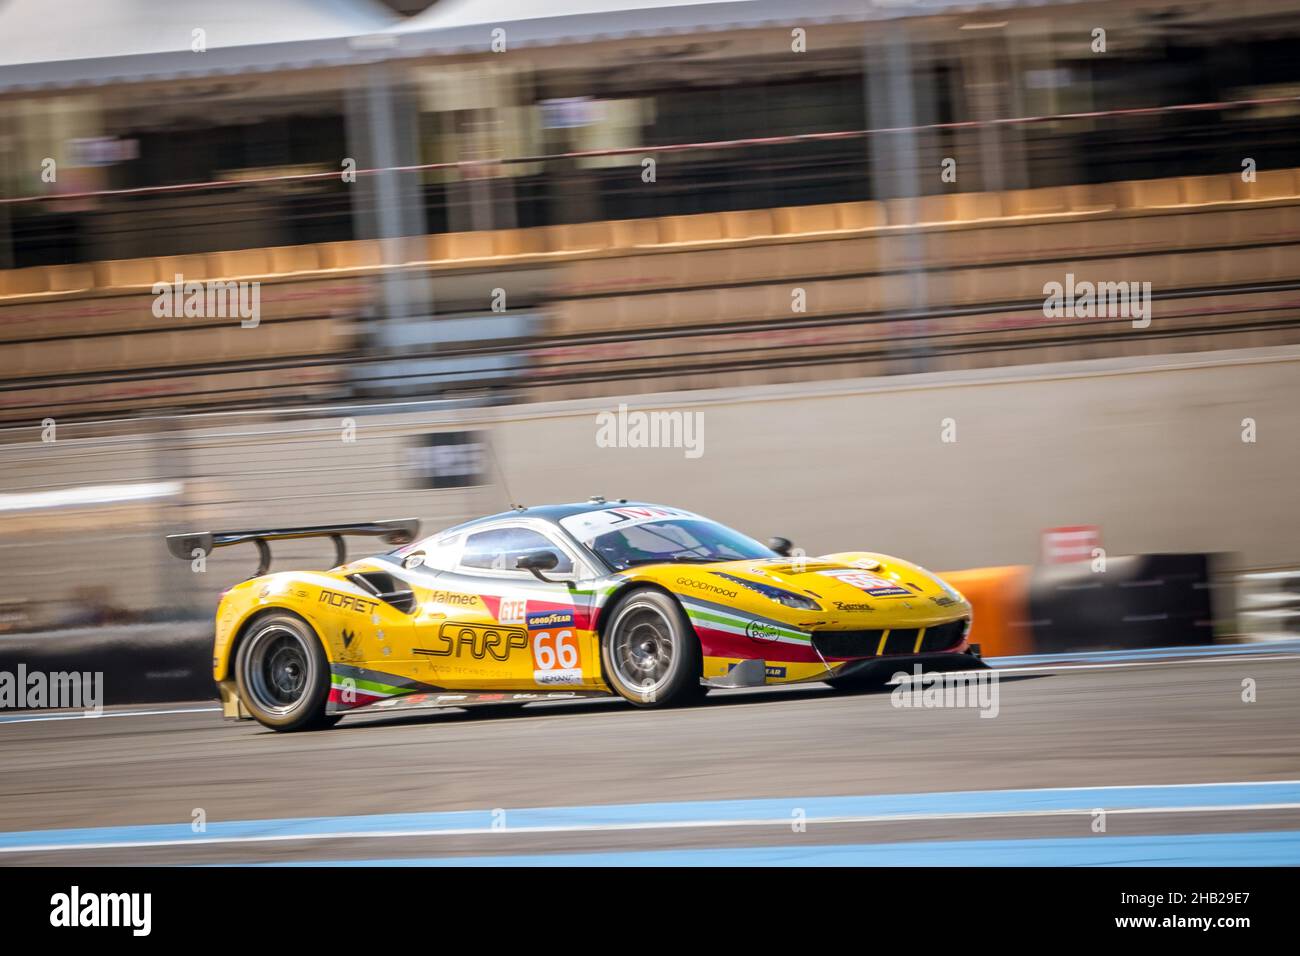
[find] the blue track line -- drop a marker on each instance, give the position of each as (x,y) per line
(1148,653)
(882,806)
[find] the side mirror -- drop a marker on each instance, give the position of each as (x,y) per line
(536,562)
(782,546)
(413,560)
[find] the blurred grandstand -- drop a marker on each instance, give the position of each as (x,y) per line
(503,241)
(523,170)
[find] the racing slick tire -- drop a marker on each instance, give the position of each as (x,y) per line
(283,674)
(650,653)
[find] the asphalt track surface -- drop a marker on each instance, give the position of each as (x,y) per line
(775,775)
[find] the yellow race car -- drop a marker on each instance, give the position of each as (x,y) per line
(654,604)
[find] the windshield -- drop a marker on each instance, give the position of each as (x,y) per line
(681,539)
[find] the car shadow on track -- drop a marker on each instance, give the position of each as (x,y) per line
(720,697)
(765,695)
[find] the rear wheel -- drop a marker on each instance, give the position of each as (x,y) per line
(283,674)
(650,652)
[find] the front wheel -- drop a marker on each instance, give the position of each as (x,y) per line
(650,653)
(283,674)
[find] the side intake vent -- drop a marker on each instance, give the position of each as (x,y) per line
(387,588)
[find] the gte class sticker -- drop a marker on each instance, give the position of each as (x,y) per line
(556,658)
(513,610)
(870,583)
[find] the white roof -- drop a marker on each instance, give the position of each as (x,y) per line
(456,13)
(465,25)
(62,43)
(51,43)
(40,31)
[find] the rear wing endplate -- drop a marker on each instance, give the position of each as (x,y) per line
(395,532)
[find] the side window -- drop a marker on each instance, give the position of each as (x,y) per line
(441,553)
(497,550)
(438,553)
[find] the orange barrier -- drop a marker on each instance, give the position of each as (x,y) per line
(999,600)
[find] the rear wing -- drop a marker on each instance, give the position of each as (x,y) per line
(395,532)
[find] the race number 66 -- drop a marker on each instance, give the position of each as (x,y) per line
(562,652)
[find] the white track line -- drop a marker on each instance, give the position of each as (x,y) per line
(108,713)
(1044,668)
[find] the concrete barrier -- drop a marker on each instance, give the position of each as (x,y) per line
(141,664)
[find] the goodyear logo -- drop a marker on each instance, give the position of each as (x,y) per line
(543,619)
(770,670)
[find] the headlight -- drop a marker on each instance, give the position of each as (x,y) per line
(772,593)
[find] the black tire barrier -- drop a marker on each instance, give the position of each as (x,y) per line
(1269,605)
(1139,601)
(145,664)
